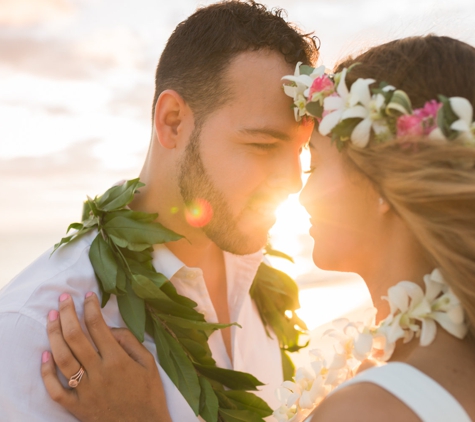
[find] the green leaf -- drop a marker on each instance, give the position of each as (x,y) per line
(74,226)
(104,263)
(86,211)
(164,304)
(132,310)
(242,400)
(239,416)
(105,298)
(273,252)
(305,69)
(445,118)
(121,243)
(138,232)
(288,367)
(198,325)
(274,292)
(148,287)
(93,208)
(67,239)
(141,258)
(118,196)
(208,401)
(134,215)
(121,280)
(234,380)
(194,342)
(170,291)
(63,241)
(178,366)
(315,108)
(399,104)
(345,128)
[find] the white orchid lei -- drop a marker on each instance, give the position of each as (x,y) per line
(413,313)
(384,113)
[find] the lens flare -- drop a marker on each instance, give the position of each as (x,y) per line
(198,213)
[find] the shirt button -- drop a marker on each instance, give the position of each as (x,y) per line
(190,275)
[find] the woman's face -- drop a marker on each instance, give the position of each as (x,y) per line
(345,211)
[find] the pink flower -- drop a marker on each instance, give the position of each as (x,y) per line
(428,115)
(321,85)
(409,125)
(430,109)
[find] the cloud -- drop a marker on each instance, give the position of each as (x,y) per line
(21,13)
(135,102)
(52,59)
(59,58)
(42,193)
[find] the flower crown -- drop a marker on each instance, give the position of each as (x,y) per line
(362,113)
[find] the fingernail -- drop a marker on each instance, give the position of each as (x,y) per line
(89,294)
(63,297)
(53,315)
(45,357)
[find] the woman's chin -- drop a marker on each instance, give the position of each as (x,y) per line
(326,263)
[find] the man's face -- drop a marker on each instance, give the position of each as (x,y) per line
(244,160)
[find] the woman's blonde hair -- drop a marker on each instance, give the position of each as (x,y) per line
(430,185)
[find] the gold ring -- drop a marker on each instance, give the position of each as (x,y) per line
(76,378)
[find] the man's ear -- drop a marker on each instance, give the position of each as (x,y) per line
(170,113)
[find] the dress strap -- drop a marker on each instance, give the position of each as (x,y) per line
(425,397)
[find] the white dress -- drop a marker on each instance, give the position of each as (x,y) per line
(425,397)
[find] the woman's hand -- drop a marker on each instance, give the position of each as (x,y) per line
(120,382)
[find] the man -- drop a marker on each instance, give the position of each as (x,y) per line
(222,134)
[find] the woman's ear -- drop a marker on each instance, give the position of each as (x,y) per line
(170,112)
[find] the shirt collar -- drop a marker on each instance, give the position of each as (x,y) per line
(165,262)
(240,273)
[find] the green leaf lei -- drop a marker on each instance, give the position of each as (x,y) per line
(121,255)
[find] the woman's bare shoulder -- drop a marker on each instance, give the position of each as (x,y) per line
(363,402)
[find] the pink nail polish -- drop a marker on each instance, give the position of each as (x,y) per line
(89,294)
(63,297)
(53,315)
(45,357)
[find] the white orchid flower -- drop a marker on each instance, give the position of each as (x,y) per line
(289,393)
(408,304)
(285,413)
(465,125)
(334,105)
(350,104)
(298,91)
(311,388)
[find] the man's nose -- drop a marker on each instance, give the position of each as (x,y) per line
(288,174)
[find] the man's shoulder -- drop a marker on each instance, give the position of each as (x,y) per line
(39,285)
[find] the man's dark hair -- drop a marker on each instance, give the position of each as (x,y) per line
(196,55)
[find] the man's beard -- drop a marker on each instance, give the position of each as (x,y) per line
(195,184)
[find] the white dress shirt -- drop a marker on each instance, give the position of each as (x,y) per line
(27,299)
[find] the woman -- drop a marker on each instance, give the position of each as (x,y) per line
(392,197)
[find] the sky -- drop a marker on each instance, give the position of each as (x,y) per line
(76,87)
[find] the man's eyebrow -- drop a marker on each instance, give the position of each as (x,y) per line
(273,133)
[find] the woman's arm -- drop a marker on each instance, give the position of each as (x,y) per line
(120,382)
